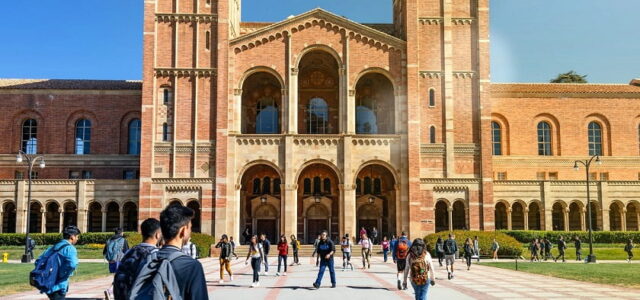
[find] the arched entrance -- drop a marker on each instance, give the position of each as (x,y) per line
(130,222)
(442,216)
(374,105)
(35,221)
(9,217)
(615,217)
(94,217)
(596,217)
(52,217)
(260,201)
(459,216)
(113,216)
(195,222)
(261,104)
(501,216)
(575,217)
(517,216)
(633,216)
(534,216)
(318,191)
(70,214)
(318,93)
(376,200)
(557,216)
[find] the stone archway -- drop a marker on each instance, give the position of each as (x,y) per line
(318,184)
(266,218)
(374,105)
(558,217)
(52,217)
(534,216)
(8,217)
(260,184)
(317,217)
(70,214)
(318,93)
(196,221)
(369,216)
(501,219)
(459,216)
(262,111)
(615,217)
(633,216)
(94,217)
(442,216)
(575,217)
(376,187)
(130,214)
(113,216)
(517,216)
(35,221)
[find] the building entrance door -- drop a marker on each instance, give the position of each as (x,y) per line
(268,227)
(314,227)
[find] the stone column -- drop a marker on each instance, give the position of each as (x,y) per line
(61,221)
(349,210)
(1,219)
(526,218)
(583,220)
(290,212)
(606,226)
(22,207)
(43,220)
(81,206)
(566,220)
(292,70)
(509,218)
(351,112)
(396,198)
(121,223)
(637,220)
(104,220)
(237,111)
(546,216)
(450,211)
(623,219)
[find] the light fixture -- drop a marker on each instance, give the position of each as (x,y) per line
(19,158)
(263,199)
(575,166)
(42,164)
(371,199)
(598,161)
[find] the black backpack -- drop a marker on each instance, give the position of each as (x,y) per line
(128,270)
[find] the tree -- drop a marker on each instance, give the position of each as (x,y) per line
(569,77)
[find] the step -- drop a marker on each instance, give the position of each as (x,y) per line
(305,250)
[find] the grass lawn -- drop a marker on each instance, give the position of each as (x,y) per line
(601,252)
(626,275)
(14,278)
(15,252)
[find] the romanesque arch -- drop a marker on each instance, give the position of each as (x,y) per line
(558,216)
(375,191)
(442,215)
(575,216)
(318,93)
(633,216)
(261,111)
(94,217)
(70,214)
(8,210)
(52,219)
(374,105)
(535,211)
(318,185)
(260,188)
(517,216)
(500,213)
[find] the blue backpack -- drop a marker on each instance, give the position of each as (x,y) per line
(45,274)
(114,249)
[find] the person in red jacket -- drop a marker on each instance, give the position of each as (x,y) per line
(283,251)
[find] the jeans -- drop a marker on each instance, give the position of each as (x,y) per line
(332,272)
(420,290)
(266,263)
(59,295)
(578,254)
(468,259)
(113,266)
(282,258)
(255,265)
(225,264)
(385,252)
(295,256)
(346,259)
(366,253)
(440,257)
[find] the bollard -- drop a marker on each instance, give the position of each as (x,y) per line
(5,257)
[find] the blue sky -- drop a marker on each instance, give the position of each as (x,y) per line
(531,41)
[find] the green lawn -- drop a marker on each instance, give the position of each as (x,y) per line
(601,253)
(14,278)
(15,252)
(626,275)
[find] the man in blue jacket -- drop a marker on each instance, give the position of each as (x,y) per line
(68,261)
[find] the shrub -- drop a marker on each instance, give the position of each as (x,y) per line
(203,243)
(605,237)
(508,245)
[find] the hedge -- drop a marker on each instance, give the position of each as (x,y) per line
(508,245)
(202,241)
(605,237)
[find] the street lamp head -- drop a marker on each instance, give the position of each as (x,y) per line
(19,158)
(598,161)
(42,164)
(575,166)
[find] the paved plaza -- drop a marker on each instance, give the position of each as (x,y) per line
(377,283)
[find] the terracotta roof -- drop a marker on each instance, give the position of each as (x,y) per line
(572,88)
(635,81)
(70,84)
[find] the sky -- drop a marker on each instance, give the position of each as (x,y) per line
(531,41)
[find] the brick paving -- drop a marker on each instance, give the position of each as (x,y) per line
(377,283)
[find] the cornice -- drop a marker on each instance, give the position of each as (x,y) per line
(437,74)
(561,161)
(440,20)
(186,18)
(185,72)
(182,180)
(450,180)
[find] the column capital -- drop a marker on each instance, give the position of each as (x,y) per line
(294,71)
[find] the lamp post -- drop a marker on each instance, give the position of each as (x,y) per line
(31,161)
(587,164)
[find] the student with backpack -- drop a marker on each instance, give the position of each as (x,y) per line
(283,252)
(266,246)
(476,248)
(190,249)
(55,265)
(366,244)
(392,247)
(494,248)
(400,254)
(561,247)
(226,251)
(450,251)
(385,247)
(629,249)
(295,246)
(440,250)
(32,245)
(578,244)
(255,253)
(468,252)
(135,257)
(547,249)
(345,246)
(326,249)
(114,250)
(420,268)
(169,272)
(233,247)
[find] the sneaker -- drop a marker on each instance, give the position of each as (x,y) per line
(316,286)
(285,273)
(277,274)
(231,278)
(253,284)
(449,275)
(266,273)
(399,284)
(258,284)
(452,276)
(221,281)
(333,286)
(404,286)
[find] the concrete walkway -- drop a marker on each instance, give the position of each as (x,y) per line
(377,283)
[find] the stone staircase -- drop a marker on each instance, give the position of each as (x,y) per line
(306,250)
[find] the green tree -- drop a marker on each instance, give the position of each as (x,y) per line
(570,77)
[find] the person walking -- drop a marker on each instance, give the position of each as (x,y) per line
(283,251)
(533,248)
(450,251)
(362,232)
(114,250)
(392,247)
(31,245)
(476,248)
(578,244)
(440,250)
(494,249)
(374,236)
(233,247)
(135,257)
(315,250)
(226,251)
(561,247)
(420,267)
(255,254)
(547,248)
(65,255)
(385,247)
(345,246)
(326,249)
(366,244)
(295,246)
(542,249)
(246,234)
(190,249)
(629,249)
(400,253)
(266,246)
(468,252)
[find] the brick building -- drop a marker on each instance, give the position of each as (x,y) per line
(318,122)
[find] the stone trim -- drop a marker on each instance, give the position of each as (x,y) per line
(450,180)
(186,18)
(182,181)
(185,72)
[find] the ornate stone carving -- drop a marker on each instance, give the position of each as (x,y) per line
(186,18)
(430,20)
(185,72)
(430,74)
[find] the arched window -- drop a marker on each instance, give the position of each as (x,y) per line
(29,136)
(267,116)
(166,95)
(83,136)
(595,138)
(276,186)
(432,97)
(496,138)
(326,186)
(366,119)
(318,116)
(358,186)
(207,40)
(165,132)
(256,186)
(307,186)
(377,186)
(317,182)
(134,137)
(367,185)
(544,139)
(266,185)
(432,134)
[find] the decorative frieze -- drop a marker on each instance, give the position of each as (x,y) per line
(316,140)
(463,74)
(186,18)
(430,20)
(462,21)
(258,140)
(373,141)
(450,180)
(430,74)
(182,181)
(450,188)
(432,149)
(185,72)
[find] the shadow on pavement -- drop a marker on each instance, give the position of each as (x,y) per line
(367,288)
(292,287)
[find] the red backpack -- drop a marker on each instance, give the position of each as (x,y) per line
(403,249)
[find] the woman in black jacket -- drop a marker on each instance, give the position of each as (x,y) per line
(468,252)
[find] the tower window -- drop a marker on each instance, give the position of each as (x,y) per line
(432,97)
(207,40)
